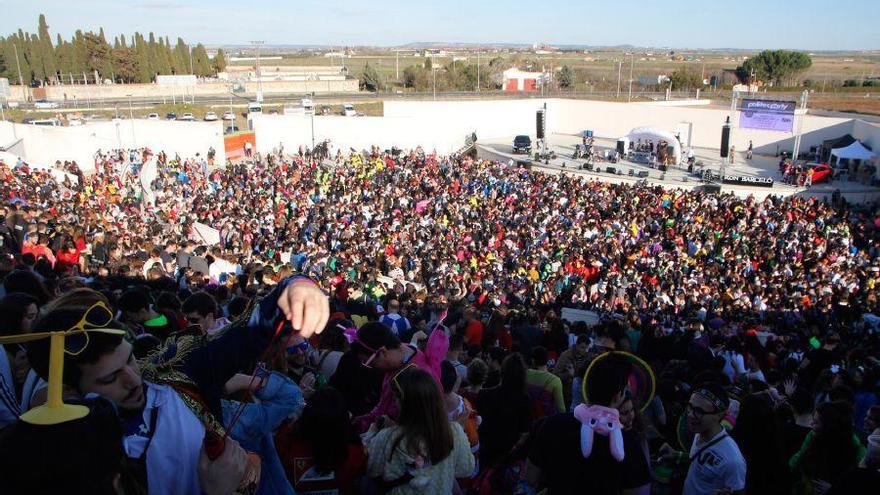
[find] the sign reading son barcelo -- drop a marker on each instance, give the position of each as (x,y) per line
(767,115)
(740,180)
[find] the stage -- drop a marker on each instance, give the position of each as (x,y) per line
(764,166)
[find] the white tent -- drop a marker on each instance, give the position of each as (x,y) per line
(855,151)
(657,135)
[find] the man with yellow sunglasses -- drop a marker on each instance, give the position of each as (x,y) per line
(170,403)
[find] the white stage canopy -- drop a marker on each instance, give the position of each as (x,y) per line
(855,151)
(657,135)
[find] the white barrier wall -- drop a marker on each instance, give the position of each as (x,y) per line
(357,132)
(45,144)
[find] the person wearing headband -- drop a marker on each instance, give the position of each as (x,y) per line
(379,348)
(716,463)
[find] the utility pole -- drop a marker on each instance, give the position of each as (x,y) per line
(20,78)
(257,44)
(191,70)
(619,67)
(131,119)
(478,71)
(397,64)
(434,77)
(631,63)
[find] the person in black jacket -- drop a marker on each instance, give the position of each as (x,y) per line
(170,402)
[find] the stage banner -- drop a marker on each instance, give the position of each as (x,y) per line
(209,235)
(767,115)
(573,315)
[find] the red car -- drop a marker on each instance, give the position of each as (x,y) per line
(822,172)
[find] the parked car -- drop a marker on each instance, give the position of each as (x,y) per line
(308,105)
(170,116)
(348,110)
(232,129)
(153,116)
(210,117)
(229,115)
(188,117)
(46,122)
(522,144)
(822,172)
(45,104)
(74,122)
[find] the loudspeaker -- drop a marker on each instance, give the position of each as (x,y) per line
(662,167)
(632,172)
(712,188)
(725,141)
(539,124)
(643,174)
(588,166)
(610,170)
(621,148)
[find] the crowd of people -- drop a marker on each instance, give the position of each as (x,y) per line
(402,322)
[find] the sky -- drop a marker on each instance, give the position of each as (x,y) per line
(746,24)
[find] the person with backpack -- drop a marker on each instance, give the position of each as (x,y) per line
(556,459)
(423,452)
(545,388)
(507,414)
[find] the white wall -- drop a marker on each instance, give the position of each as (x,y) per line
(45,145)
(358,132)
(867,133)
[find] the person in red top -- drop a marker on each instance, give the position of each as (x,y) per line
(320,452)
(473,333)
(41,248)
(68,257)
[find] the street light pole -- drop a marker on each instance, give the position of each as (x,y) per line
(259,77)
(619,67)
(434,77)
(478,71)
(20,78)
(632,61)
(131,119)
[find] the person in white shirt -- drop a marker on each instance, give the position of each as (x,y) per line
(716,464)
(220,266)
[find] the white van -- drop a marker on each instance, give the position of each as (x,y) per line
(308,105)
(255,107)
(47,122)
(348,110)
(293,109)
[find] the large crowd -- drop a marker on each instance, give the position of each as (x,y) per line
(400,322)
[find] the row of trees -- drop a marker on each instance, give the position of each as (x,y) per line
(456,76)
(779,67)
(136,59)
